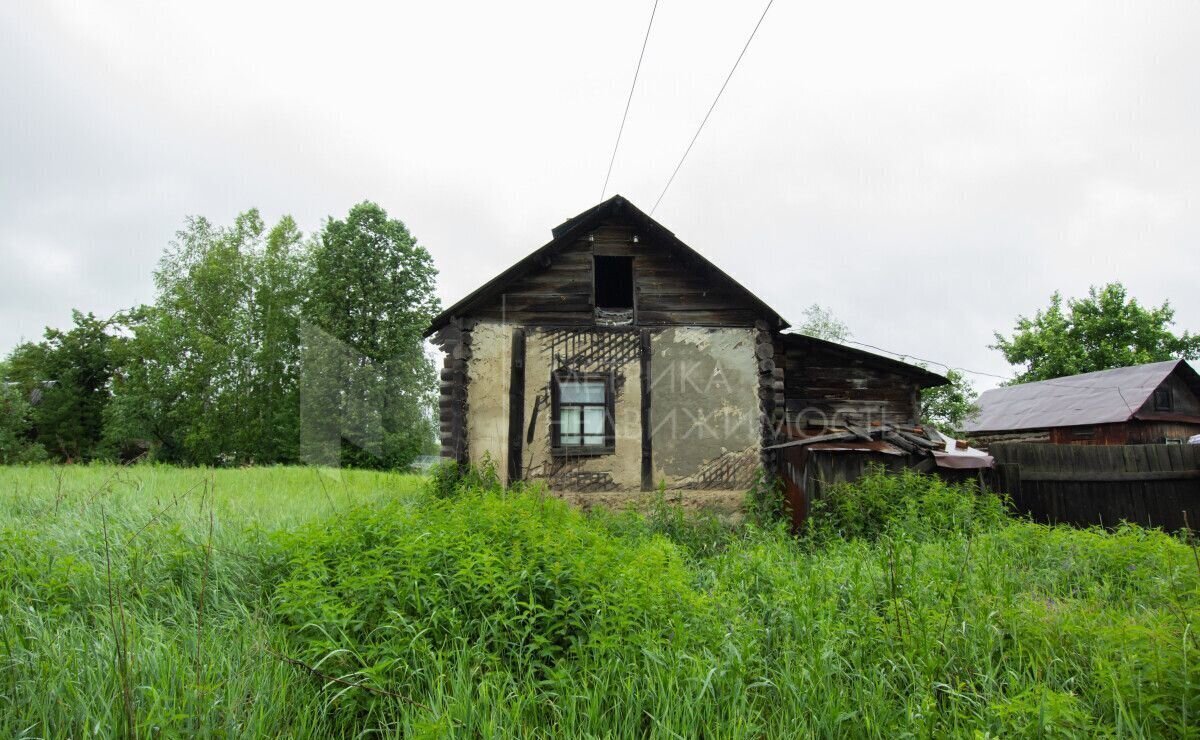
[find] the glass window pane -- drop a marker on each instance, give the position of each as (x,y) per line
(568,420)
(568,440)
(594,440)
(581,391)
(593,420)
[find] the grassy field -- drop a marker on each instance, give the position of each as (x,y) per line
(154,601)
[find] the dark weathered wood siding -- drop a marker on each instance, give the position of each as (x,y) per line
(1185,404)
(1153,485)
(1123,433)
(455,341)
(825,387)
(669,288)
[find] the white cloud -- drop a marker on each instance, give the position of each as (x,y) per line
(928,170)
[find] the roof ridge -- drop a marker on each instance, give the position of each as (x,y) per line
(615,205)
(1107,371)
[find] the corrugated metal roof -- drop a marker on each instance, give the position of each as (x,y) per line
(1101,397)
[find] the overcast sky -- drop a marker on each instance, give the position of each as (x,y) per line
(928,171)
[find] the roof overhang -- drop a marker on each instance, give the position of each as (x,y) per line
(578,226)
(924,377)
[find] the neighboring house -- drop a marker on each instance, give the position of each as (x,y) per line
(1155,403)
(616,359)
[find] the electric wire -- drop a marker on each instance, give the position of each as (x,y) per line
(711,107)
(629,100)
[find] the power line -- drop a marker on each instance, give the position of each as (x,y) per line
(629,100)
(714,105)
(1053,381)
(931,362)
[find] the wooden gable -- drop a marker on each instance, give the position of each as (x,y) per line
(673,285)
(1182,387)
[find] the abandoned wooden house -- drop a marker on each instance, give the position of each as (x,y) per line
(1156,403)
(615,358)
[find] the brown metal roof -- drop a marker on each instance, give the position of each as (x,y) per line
(1102,397)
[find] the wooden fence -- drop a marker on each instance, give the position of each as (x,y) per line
(1153,485)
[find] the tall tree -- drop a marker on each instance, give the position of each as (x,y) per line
(949,407)
(370,383)
(1106,329)
(212,369)
(279,276)
(67,377)
(17,444)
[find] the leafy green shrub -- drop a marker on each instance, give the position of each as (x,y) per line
(923,507)
(700,534)
(448,477)
(517,583)
(764,503)
(34,575)
(502,614)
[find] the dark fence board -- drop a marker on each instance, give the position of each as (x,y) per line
(1153,485)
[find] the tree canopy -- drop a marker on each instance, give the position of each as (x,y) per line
(949,407)
(213,371)
(1107,329)
(368,379)
(820,322)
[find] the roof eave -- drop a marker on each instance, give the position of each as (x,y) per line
(563,234)
(925,377)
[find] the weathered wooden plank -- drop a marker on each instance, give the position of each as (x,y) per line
(516,406)
(645,352)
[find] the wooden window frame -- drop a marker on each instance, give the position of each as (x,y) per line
(556,447)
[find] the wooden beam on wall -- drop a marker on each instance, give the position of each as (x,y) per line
(516,406)
(647,382)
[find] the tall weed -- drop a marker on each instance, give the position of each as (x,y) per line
(918,506)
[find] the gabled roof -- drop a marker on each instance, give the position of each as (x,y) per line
(805,343)
(577,226)
(1102,397)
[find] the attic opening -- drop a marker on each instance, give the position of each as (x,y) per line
(1163,400)
(614,282)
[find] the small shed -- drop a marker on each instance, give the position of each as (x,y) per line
(809,464)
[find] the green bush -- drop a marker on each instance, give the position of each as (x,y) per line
(352,604)
(448,477)
(517,583)
(922,507)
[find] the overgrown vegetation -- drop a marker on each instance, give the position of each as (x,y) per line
(296,602)
(262,346)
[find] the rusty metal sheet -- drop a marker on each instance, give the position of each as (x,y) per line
(877,446)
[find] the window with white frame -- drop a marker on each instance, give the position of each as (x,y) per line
(582,413)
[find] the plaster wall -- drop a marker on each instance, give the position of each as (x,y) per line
(586,351)
(704,409)
(488,376)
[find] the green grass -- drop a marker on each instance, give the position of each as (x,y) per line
(293,602)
